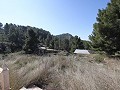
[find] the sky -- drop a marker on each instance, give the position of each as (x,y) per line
(56,16)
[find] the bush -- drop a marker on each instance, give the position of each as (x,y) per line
(99,58)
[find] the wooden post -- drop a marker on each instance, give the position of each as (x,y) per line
(4,77)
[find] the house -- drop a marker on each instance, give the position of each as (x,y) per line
(79,51)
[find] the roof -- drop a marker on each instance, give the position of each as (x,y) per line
(78,51)
(34,88)
(52,50)
(42,47)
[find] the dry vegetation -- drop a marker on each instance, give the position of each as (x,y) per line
(57,72)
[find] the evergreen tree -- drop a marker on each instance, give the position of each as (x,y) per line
(76,43)
(31,42)
(6,29)
(56,43)
(106,33)
(87,45)
(66,45)
(51,44)
(48,39)
(15,39)
(2,48)
(79,44)
(1,25)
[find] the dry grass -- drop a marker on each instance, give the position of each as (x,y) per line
(63,72)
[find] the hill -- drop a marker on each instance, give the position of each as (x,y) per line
(15,38)
(65,36)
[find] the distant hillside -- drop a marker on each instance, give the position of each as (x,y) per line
(64,36)
(19,38)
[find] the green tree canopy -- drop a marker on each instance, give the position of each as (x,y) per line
(31,42)
(76,43)
(66,45)
(106,33)
(1,25)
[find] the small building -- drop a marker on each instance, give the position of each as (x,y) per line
(79,51)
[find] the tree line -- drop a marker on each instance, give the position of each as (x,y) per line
(15,38)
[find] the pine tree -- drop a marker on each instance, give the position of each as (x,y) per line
(106,33)
(76,43)
(66,45)
(31,42)
(6,28)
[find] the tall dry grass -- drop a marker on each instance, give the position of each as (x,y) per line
(63,72)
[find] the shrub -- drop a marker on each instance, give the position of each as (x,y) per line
(99,58)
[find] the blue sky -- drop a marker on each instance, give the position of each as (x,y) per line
(57,16)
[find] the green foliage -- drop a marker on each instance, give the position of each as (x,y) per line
(106,33)
(6,29)
(2,48)
(51,44)
(66,45)
(48,39)
(76,43)
(31,43)
(56,43)
(1,25)
(99,58)
(87,44)
(64,36)
(15,38)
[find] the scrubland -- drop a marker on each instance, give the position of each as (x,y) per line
(59,72)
